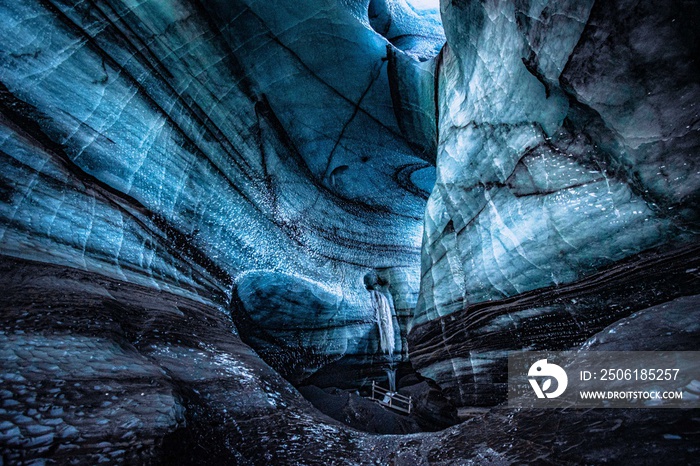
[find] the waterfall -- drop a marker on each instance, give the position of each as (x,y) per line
(391,378)
(385,322)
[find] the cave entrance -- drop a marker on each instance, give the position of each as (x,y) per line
(357,406)
(334,353)
(412,26)
(378,390)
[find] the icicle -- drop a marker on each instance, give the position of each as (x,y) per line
(391,378)
(385,322)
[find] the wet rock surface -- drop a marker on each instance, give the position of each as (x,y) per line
(95,369)
(358,412)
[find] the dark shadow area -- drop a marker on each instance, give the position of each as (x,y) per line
(430,412)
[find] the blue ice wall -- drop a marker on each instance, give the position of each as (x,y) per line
(567,180)
(181,146)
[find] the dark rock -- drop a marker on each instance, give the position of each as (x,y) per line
(556,318)
(358,412)
(96,369)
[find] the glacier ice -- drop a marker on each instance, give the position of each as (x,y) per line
(199,197)
(385,321)
(560,169)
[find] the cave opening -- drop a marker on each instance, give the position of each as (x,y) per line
(341,386)
(414,27)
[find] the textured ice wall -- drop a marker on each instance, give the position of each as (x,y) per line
(567,180)
(180,145)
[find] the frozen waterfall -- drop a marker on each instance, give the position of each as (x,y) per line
(382,310)
(391,378)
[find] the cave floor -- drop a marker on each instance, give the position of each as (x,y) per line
(96,369)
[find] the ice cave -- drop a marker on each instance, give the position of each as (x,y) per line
(223,222)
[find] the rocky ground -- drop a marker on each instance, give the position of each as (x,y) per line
(95,369)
